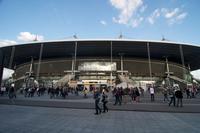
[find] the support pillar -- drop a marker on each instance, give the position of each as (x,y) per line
(111,60)
(149,60)
(1,66)
(72,72)
(11,57)
(189,68)
(167,67)
(188,72)
(167,81)
(39,61)
(75,54)
(31,67)
(182,59)
(122,63)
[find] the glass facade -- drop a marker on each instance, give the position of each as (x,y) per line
(97,66)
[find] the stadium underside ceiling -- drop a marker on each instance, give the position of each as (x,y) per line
(131,49)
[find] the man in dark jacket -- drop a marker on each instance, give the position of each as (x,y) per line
(172,97)
(179,96)
(97,100)
(12,93)
(104,101)
(118,96)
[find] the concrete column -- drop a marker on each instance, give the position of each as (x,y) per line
(149,59)
(189,68)
(31,67)
(11,57)
(39,61)
(168,81)
(1,66)
(111,60)
(122,63)
(188,71)
(72,65)
(182,59)
(75,53)
(167,66)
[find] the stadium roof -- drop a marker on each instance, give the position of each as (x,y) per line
(102,48)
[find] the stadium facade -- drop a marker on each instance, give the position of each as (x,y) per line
(100,61)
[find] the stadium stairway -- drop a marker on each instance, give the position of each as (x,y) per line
(65,79)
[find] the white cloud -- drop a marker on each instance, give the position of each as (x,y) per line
(143,8)
(172,16)
(153,16)
(127,9)
(7,73)
(136,22)
(27,36)
(181,16)
(130,13)
(196,74)
(6,43)
(103,22)
(172,13)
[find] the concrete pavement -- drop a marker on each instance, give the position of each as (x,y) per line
(21,119)
(78,102)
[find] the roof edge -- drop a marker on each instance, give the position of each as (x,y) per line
(103,39)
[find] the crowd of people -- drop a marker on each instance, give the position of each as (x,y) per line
(8,91)
(171,95)
(124,94)
(100,97)
(133,95)
(176,95)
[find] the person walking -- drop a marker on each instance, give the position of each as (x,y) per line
(125,95)
(142,91)
(152,93)
(137,95)
(172,97)
(133,94)
(165,94)
(104,101)
(97,99)
(85,91)
(188,93)
(117,97)
(121,93)
(12,93)
(179,96)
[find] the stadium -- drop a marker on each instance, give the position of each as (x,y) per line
(100,62)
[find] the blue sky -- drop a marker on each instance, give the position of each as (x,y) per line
(23,20)
(58,19)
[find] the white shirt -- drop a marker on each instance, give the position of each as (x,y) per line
(151,90)
(3,89)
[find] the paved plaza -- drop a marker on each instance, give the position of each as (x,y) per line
(21,119)
(78,102)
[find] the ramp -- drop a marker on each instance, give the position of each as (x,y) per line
(179,79)
(64,80)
